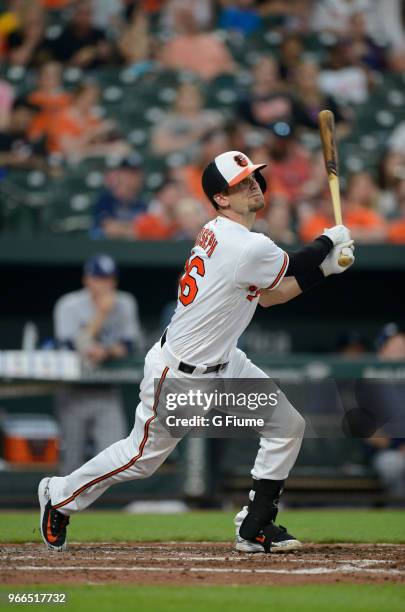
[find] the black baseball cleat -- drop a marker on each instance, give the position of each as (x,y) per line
(273,538)
(52,523)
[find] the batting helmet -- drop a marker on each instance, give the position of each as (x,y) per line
(227,170)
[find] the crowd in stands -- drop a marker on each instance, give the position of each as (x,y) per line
(276,78)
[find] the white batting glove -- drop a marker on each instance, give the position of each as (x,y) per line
(330,264)
(338,234)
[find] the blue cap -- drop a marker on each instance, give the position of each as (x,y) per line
(100,265)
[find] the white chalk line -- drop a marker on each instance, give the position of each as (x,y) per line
(229,559)
(314,570)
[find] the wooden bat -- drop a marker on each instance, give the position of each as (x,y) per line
(330,154)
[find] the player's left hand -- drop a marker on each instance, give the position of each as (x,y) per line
(330,264)
(338,234)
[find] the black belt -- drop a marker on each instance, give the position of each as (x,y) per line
(189,369)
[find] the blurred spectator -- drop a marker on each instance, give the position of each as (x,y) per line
(102,324)
(397,139)
(396,227)
(21,31)
(391,172)
(108,14)
(310,100)
(212,144)
(81,44)
(190,217)
(388,456)
(360,215)
(265,111)
(396,61)
(78,131)
(363,49)
(120,202)
(171,215)
(186,124)
(279,223)
(291,52)
(389,463)
(203,53)
(391,21)
(289,163)
(267,100)
(390,343)
(365,224)
(135,44)
(350,345)
(240,16)
(265,77)
(6,103)
(160,221)
(49,98)
(201,9)
(341,78)
(334,15)
(16,148)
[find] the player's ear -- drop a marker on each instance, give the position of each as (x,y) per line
(221,200)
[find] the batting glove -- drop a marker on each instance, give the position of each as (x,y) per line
(330,264)
(338,234)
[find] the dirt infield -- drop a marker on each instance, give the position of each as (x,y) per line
(200,563)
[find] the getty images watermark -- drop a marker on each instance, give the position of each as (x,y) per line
(237,408)
(216,407)
(207,401)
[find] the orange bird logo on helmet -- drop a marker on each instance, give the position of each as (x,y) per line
(241,160)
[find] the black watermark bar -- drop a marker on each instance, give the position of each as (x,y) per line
(261,407)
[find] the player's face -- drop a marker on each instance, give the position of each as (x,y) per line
(100,285)
(246,196)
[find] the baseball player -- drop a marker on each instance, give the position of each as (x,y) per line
(230,271)
(101,323)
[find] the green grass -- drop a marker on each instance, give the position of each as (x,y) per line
(309,525)
(308,598)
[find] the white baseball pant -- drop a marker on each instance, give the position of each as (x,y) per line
(142,452)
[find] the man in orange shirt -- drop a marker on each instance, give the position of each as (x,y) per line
(49,98)
(365,224)
(396,228)
(78,132)
(159,222)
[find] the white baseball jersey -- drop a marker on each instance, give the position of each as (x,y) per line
(220,289)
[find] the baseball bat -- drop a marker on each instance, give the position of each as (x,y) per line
(330,155)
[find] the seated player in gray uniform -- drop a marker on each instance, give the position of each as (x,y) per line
(101,323)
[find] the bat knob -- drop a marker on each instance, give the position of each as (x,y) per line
(344,260)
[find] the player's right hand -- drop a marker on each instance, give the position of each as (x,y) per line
(338,234)
(330,264)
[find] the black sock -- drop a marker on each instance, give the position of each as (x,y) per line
(262,509)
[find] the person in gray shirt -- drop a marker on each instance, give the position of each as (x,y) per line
(101,323)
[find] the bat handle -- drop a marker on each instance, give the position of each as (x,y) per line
(344,260)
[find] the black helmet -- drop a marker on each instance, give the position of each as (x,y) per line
(229,169)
